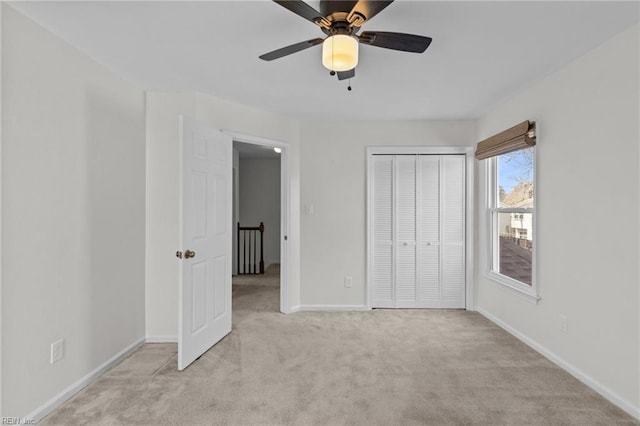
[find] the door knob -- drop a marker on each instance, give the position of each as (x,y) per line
(189,254)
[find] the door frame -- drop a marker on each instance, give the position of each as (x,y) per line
(468,152)
(285,208)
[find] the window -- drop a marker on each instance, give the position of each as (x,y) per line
(511,214)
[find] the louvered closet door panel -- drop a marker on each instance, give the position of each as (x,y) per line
(453,231)
(405,274)
(429,198)
(453,273)
(406,197)
(429,277)
(382,232)
(428,286)
(453,193)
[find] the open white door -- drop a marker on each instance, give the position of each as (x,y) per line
(205,239)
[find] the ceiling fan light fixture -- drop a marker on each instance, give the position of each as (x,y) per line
(340,52)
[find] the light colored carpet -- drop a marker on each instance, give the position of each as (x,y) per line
(382,367)
(270,278)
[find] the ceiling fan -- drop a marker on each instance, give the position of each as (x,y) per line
(341,20)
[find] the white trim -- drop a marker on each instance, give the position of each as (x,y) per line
(1,412)
(468,152)
(368,200)
(285,208)
(328,308)
(514,285)
(470,228)
(592,383)
(418,150)
(255,140)
(39,413)
(181,275)
(162,339)
(292,309)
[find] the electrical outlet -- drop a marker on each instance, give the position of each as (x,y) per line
(348,282)
(564,324)
(57,351)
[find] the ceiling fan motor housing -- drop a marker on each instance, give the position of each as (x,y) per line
(340,24)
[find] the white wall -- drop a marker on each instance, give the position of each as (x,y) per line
(587,176)
(161,291)
(260,201)
(333,178)
(73,183)
(162,191)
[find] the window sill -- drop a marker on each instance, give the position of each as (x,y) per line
(529,293)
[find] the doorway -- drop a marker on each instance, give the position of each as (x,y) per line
(261,193)
(205,207)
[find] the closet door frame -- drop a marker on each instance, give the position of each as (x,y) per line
(469,208)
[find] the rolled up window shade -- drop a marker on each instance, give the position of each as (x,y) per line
(517,137)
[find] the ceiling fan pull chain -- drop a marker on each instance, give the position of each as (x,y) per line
(349,86)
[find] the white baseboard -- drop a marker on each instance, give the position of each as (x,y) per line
(66,394)
(162,339)
(312,308)
(565,365)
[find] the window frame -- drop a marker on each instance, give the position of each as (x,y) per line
(492,193)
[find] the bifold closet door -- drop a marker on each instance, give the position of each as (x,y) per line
(417,231)
(405,231)
(429,291)
(382,232)
(453,231)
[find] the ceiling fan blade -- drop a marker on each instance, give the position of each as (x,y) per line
(345,75)
(396,41)
(364,10)
(279,53)
(302,9)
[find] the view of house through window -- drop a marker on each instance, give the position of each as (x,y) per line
(512,215)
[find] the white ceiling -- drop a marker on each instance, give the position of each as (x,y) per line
(482,52)
(249,150)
